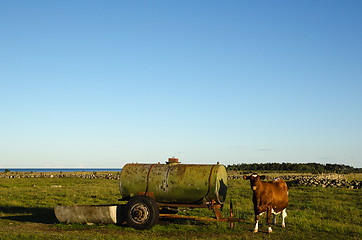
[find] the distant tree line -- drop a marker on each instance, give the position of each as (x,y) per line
(295,167)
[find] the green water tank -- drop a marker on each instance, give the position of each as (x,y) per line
(175,183)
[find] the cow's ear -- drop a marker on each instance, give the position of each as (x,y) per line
(262,177)
(246,177)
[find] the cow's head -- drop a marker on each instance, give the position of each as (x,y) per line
(254,178)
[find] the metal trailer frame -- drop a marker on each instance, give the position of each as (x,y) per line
(210,205)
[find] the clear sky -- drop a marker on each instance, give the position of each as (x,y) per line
(104,83)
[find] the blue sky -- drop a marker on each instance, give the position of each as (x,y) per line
(104,83)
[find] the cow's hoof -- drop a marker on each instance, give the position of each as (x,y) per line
(255,231)
(270,230)
(283,225)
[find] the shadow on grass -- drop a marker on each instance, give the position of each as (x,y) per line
(35,215)
(47,216)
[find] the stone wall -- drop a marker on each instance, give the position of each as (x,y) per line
(322,180)
(326,182)
(90,175)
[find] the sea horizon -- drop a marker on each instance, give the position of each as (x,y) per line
(61,169)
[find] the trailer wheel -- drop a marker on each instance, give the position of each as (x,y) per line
(141,212)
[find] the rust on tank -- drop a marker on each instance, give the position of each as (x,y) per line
(181,169)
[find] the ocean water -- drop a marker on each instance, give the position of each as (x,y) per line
(61,169)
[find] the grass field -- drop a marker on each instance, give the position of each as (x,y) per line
(26,212)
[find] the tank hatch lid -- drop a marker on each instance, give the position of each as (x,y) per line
(173,161)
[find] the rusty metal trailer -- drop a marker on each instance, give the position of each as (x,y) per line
(158,190)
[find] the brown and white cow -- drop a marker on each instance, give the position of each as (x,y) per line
(270,197)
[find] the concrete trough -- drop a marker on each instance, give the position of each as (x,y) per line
(89,214)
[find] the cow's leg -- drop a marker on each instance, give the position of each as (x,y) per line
(256,228)
(269,219)
(274,219)
(284,214)
(256,212)
(257,221)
